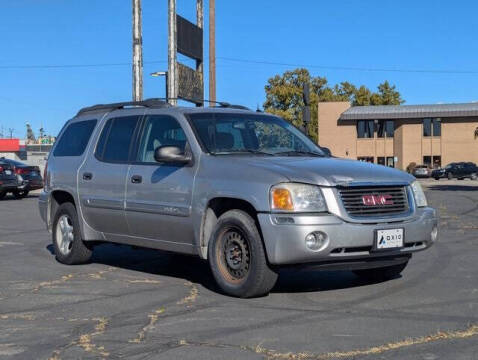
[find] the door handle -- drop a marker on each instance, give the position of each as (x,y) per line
(136,179)
(87,176)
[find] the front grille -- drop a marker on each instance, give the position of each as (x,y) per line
(354,204)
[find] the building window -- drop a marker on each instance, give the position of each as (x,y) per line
(381,160)
(437,127)
(390,128)
(365,128)
(427,160)
(436,162)
(390,161)
(365,158)
(427,127)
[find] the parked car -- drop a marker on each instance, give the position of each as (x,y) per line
(460,170)
(8,180)
(422,171)
(29,177)
(246,191)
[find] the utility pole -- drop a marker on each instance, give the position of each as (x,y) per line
(212,50)
(200,24)
(172,47)
(137,52)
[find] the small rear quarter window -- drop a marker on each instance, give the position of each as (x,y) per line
(75,138)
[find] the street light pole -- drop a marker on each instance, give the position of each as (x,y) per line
(165,74)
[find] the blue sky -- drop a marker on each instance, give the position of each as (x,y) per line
(403,35)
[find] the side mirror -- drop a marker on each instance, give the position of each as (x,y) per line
(326,151)
(171,154)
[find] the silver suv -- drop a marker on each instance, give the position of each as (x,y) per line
(245,190)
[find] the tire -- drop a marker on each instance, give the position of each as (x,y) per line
(437,178)
(74,251)
(245,272)
(474,176)
(381,274)
(2,195)
(20,194)
(449,176)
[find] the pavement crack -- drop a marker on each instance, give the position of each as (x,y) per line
(85,341)
(191,297)
(153,318)
(269,354)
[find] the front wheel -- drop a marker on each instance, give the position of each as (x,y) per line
(69,247)
(2,194)
(237,257)
(381,274)
(450,176)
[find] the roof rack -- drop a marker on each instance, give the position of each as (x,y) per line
(155,102)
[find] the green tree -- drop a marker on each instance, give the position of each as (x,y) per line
(284,96)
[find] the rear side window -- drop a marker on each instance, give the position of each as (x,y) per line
(75,138)
(116,138)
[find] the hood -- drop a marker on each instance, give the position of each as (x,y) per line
(331,171)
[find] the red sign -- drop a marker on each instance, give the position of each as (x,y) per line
(377,200)
(9,145)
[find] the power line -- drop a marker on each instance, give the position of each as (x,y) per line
(349,68)
(68,66)
(257,62)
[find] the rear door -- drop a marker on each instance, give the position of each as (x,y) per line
(159,196)
(102,177)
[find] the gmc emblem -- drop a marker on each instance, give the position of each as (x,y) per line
(377,200)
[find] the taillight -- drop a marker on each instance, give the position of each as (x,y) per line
(1,169)
(21,171)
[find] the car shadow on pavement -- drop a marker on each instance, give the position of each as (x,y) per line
(452,187)
(193,269)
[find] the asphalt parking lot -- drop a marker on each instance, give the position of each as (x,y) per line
(144,304)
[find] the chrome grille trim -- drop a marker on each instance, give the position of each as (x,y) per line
(351,198)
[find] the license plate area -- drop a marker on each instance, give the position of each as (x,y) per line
(388,239)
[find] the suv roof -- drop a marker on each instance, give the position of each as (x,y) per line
(158,103)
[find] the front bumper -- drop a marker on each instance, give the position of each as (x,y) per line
(285,242)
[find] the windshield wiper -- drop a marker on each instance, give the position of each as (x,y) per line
(298,153)
(243,151)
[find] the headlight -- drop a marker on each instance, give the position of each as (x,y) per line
(419,195)
(293,197)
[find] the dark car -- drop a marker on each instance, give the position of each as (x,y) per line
(8,180)
(29,177)
(460,170)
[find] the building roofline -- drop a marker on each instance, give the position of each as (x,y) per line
(410,111)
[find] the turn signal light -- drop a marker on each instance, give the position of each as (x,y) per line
(282,200)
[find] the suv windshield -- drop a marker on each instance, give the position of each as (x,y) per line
(251,134)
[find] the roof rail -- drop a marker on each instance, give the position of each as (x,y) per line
(154,102)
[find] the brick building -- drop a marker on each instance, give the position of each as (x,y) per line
(399,135)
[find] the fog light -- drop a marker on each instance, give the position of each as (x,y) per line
(316,240)
(434,234)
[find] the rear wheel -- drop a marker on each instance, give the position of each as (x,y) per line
(20,194)
(450,176)
(237,257)
(2,194)
(474,176)
(381,274)
(69,247)
(437,178)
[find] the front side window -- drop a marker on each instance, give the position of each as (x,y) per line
(74,139)
(245,133)
(116,138)
(159,130)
